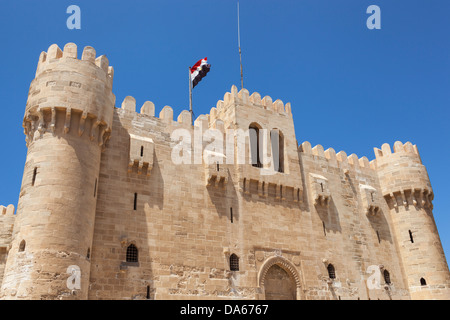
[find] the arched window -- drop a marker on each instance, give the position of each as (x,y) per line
(423,282)
(277,142)
(331,271)
(387,277)
(22,246)
(234,262)
(132,253)
(255,145)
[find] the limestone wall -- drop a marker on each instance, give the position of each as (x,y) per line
(186,229)
(7,219)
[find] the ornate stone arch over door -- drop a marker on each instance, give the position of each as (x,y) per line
(278,279)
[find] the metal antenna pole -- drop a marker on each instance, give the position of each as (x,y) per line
(239,44)
(190,96)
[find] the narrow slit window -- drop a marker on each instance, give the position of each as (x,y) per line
(142,151)
(234,262)
(22,246)
(231,215)
(331,271)
(148,293)
(135,201)
(411,238)
(387,277)
(324,229)
(95,188)
(321,186)
(217,166)
(88,254)
(34,176)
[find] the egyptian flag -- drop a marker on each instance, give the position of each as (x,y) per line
(199,70)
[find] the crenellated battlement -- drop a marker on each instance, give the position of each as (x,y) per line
(213,118)
(7,211)
(70,95)
(340,159)
(403,177)
(255,100)
(70,54)
(385,154)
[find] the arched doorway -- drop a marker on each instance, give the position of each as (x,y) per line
(279,285)
(279,280)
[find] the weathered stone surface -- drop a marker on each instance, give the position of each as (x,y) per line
(100,180)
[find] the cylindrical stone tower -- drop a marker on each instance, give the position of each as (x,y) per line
(67,122)
(407,190)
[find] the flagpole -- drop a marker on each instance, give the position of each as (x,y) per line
(190,96)
(239,45)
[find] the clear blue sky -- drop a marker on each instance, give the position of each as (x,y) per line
(351,88)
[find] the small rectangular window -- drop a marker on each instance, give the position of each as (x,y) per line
(135,201)
(231,215)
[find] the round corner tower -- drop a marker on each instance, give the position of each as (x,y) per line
(68,119)
(406,187)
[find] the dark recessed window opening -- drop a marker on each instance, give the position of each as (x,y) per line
(411,236)
(22,246)
(254,146)
(331,271)
(132,253)
(88,254)
(148,292)
(217,166)
(135,201)
(387,277)
(321,186)
(231,215)
(34,176)
(423,282)
(142,151)
(234,262)
(277,142)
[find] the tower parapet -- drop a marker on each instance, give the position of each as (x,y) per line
(68,119)
(407,189)
(71,93)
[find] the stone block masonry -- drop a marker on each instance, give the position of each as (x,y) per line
(101,192)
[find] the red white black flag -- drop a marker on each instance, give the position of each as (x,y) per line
(199,71)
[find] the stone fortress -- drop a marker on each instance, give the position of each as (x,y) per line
(105,213)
